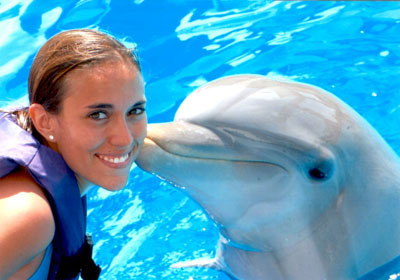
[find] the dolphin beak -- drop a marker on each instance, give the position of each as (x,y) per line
(186,139)
(180,138)
(164,140)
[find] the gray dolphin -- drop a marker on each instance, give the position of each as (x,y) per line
(300,186)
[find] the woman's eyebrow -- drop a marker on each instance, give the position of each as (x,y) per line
(139,103)
(110,106)
(100,106)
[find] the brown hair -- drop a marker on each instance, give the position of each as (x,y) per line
(60,55)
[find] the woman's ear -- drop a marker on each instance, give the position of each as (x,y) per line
(43,121)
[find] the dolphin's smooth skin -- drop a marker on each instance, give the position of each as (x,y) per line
(300,186)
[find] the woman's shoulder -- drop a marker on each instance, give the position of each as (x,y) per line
(26,221)
(20,192)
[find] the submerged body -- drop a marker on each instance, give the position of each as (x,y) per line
(299,184)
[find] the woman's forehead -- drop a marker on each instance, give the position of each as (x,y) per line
(105,83)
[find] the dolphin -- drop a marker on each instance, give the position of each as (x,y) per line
(299,184)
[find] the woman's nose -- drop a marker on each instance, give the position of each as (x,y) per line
(120,133)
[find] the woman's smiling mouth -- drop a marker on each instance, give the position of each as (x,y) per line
(115,161)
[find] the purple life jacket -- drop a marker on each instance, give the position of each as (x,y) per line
(71,248)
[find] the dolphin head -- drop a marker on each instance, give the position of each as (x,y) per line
(264,158)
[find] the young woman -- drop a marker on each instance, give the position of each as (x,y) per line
(85,126)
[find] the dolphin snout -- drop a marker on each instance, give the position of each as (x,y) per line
(188,140)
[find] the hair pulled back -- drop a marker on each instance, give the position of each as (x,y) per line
(60,55)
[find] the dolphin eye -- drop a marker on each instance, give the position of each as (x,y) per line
(317,174)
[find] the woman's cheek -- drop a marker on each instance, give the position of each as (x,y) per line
(141,130)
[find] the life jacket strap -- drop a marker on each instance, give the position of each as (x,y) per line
(83,263)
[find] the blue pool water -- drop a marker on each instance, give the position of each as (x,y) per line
(349,48)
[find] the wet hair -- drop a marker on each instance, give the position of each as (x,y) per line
(60,55)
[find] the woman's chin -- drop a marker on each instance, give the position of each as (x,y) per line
(110,183)
(115,186)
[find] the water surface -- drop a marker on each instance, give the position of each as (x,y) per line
(349,48)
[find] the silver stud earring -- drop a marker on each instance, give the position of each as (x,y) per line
(51,137)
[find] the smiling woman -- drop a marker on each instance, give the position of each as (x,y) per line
(85,126)
(106,130)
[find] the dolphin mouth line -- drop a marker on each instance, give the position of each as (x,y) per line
(196,157)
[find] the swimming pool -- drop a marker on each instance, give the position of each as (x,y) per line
(349,48)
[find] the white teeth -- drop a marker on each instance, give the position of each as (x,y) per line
(114,159)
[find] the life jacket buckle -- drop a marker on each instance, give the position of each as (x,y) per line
(83,263)
(89,271)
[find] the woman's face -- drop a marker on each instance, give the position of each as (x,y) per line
(102,123)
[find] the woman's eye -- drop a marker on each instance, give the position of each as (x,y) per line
(98,115)
(137,111)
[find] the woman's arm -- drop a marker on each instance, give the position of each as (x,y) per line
(26,225)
